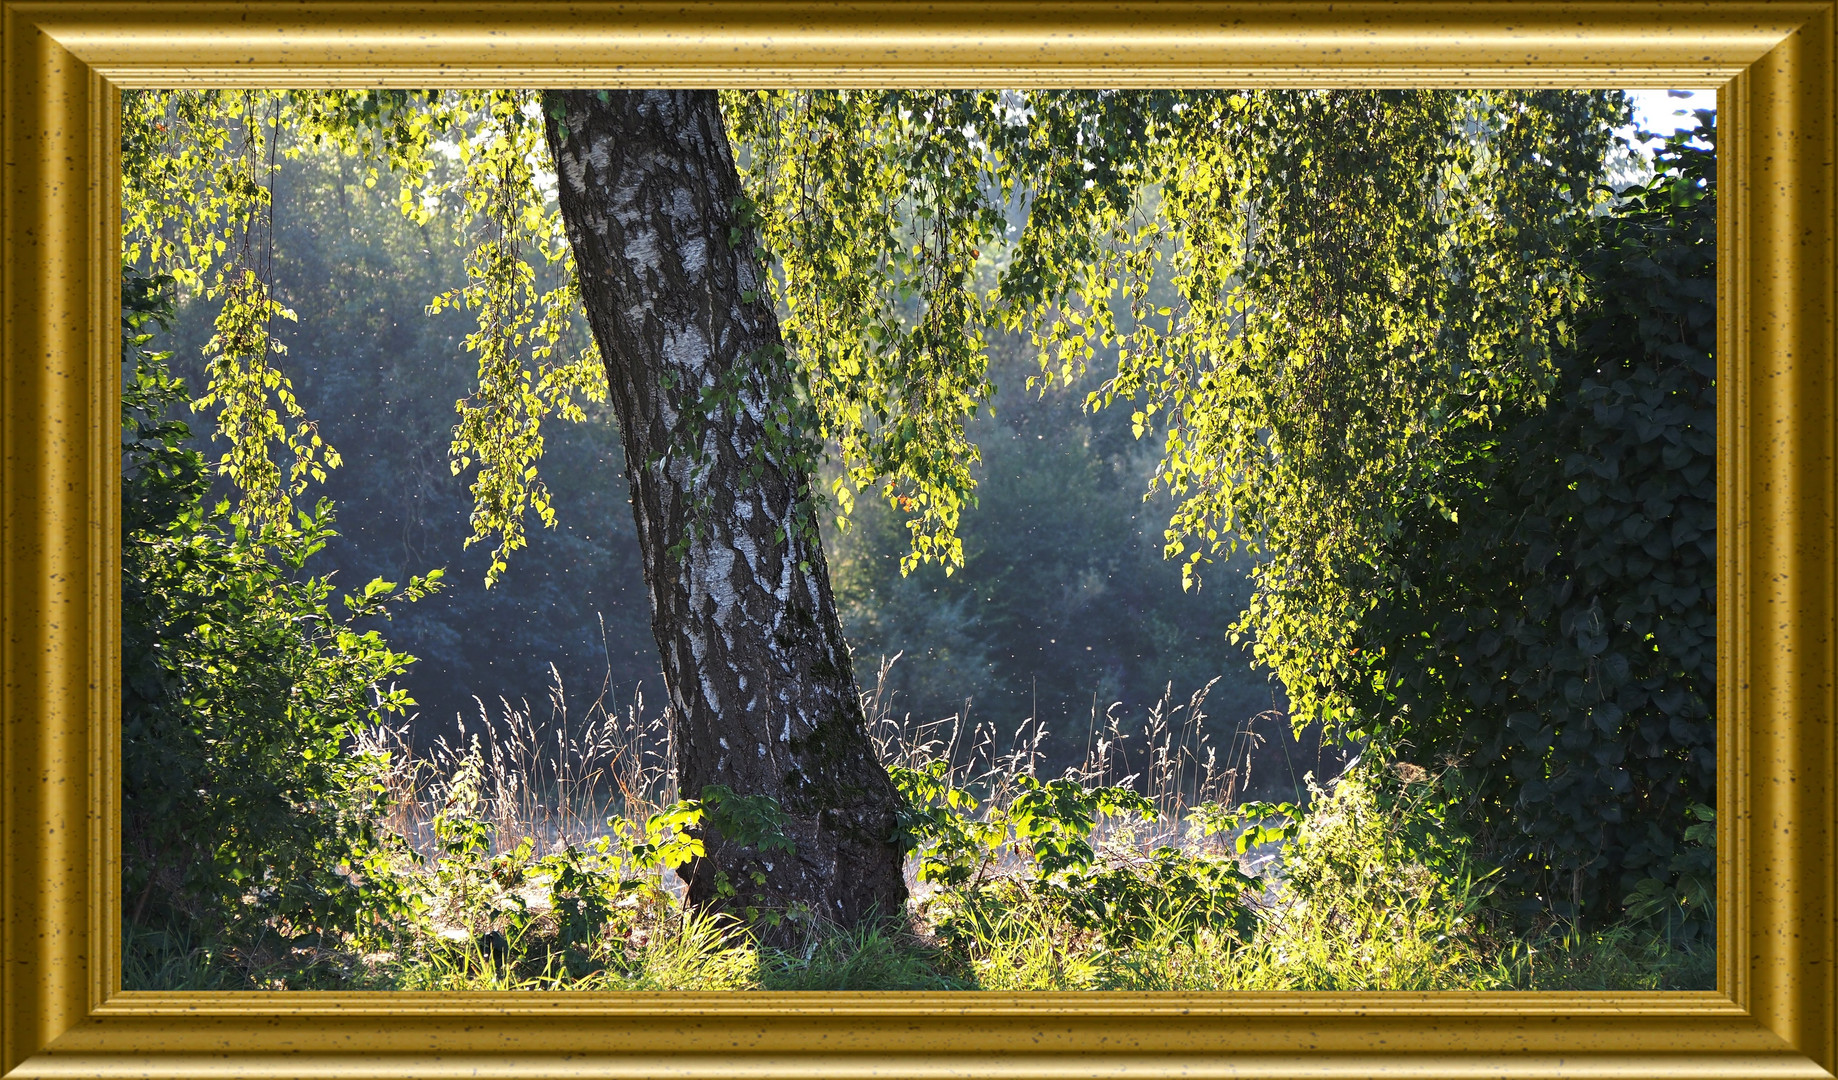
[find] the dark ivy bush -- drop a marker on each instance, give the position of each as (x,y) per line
(1551,642)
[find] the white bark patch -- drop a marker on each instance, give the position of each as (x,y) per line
(641,239)
(641,250)
(695,255)
(708,693)
(744,544)
(751,401)
(687,348)
(600,154)
(712,570)
(573,171)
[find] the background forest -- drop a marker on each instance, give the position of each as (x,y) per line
(1065,603)
(1066,644)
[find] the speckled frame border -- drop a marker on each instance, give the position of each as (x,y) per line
(61,1014)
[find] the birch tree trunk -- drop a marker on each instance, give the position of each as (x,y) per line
(764,696)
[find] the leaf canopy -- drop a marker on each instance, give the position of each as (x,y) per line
(1307,296)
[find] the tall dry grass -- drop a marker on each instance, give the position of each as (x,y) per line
(558,778)
(555,780)
(1170,755)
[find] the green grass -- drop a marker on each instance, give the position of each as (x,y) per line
(1023,946)
(880,958)
(1368,898)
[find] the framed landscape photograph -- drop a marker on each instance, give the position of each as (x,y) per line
(1316,556)
(1436,713)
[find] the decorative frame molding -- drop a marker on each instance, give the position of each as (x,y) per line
(1775,1013)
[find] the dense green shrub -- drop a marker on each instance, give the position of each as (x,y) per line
(1550,639)
(246,810)
(1040,851)
(1378,841)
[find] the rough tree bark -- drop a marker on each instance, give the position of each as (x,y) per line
(765,699)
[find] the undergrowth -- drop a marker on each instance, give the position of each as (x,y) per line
(543,861)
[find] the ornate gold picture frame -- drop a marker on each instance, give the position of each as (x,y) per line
(1775,1012)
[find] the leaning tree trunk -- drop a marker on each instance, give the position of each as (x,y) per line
(764,695)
